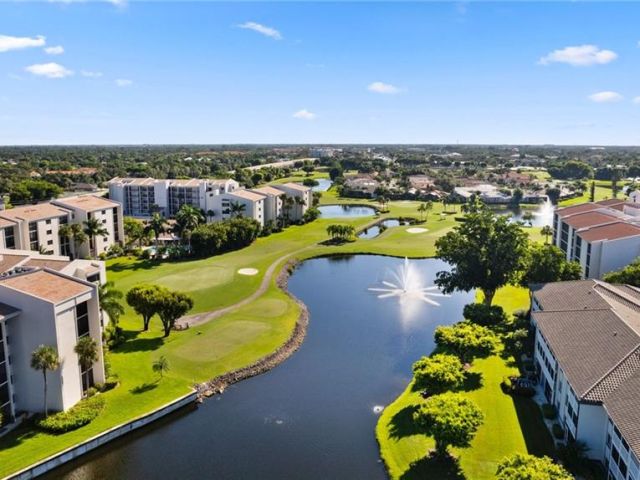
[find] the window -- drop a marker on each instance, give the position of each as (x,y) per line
(9,238)
(48,222)
(49,232)
(82,319)
(33,236)
(49,242)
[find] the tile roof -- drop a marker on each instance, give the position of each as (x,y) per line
(622,406)
(47,263)
(589,219)
(6,223)
(610,202)
(611,231)
(604,340)
(583,207)
(269,191)
(87,203)
(9,261)
(39,211)
(46,285)
(247,195)
(568,296)
(295,186)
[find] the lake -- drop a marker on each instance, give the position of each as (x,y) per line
(323,185)
(311,417)
(375,230)
(346,211)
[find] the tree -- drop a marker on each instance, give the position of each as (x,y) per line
(516,197)
(237,209)
(485,315)
(156,225)
(554,194)
(547,231)
(172,306)
(341,232)
(592,192)
(109,299)
(467,340)
(144,301)
(134,230)
(484,251)
(92,229)
(87,351)
(450,418)
(75,234)
(33,191)
(438,373)
(424,209)
(160,366)
(529,467)
(187,219)
(45,358)
(547,263)
(629,274)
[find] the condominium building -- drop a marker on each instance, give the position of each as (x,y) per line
(107,212)
(302,199)
(41,306)
(272,202)
(37,227)
(251,205)
(587,355)
(141,197)
(602,236)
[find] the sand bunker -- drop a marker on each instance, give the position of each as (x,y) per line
(248,271)
(416,230)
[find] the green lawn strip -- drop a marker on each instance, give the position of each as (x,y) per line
(230,342)
(511,424)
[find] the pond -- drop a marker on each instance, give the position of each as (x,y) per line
(314,416)
(542,214)
(375,230)
(345,211)
(323,185)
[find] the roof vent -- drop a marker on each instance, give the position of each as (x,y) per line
(615,334)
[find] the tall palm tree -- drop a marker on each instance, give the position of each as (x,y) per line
(45,358)
(87,351)
(547,231)
(287,204)
(75,234)
(187,219)
(237,209)
(109,299)
(157,225)
(92,229)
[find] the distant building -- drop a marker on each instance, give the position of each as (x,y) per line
(361,185)
(602,236)
(272,202)
(323,152)
(421,183)
(253,203)
(587,356)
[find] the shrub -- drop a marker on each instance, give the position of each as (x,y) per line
(439,373)
(506,385)
(467,340)
(527,392)
(485,315)
(92,391)
(549,411)
(146,254)
(310,215)
(80,415)
(219,237)
(558,431)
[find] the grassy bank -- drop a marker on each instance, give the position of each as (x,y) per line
(511,424)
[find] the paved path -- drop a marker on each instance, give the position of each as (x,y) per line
(200,318)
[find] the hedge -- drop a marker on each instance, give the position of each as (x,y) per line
(78,416)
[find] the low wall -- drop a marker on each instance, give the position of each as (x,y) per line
(94,442)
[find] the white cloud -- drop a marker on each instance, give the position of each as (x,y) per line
(8,43)
(605,97)
(57,50)
(380,87)
(305,114)
(124,82)
(636,100)
(50,70)
(88,74)
(579,56)
(262,29)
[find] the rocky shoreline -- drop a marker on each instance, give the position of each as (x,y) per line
(218,384)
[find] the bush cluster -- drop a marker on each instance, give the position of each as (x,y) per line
(485,315)
(218,237)
(80,415)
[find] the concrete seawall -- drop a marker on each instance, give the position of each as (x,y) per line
(101,439)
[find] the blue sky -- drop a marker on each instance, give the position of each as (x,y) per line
(208,72)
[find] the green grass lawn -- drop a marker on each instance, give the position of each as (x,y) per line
(603,192)
(511,424)
(231,341)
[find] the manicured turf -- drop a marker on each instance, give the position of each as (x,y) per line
(511,424)
(231,341)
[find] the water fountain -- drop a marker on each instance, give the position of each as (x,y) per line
(407,285)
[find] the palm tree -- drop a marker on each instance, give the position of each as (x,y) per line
(42,250)
(87,351)
(237,209)
(157,225)
(45,358)
(109,300)
(74,233)
(287,205)
(160,366)
(188,218)
(547,231)
(210,215)
(92,229)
